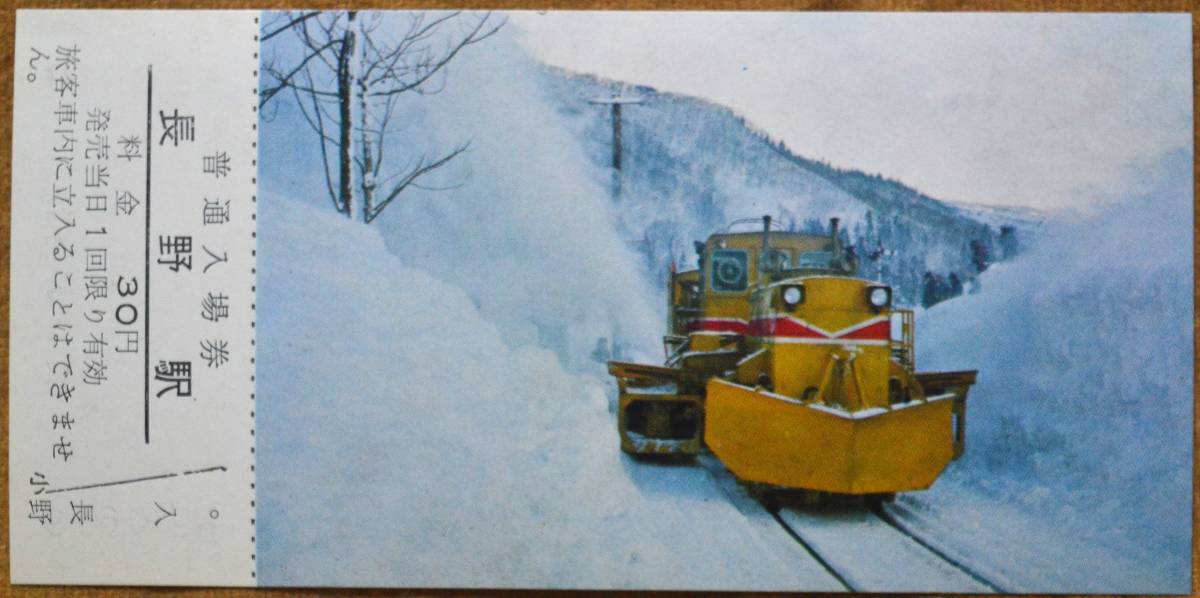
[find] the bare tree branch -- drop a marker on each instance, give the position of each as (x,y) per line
(295,21)
(389,106)
(458,185)
(433,67)
(418,31)
(320,128)
(412,176)
(285,80)
(319,111)
(328,29)
(351,69)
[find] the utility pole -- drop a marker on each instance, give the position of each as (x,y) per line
(616,101)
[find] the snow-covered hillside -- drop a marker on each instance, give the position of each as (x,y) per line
(1025,220)
(1083,409)
(690,167)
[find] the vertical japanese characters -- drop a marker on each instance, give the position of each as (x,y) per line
(132,297)
(94,323)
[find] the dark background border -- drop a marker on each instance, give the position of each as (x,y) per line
(7,37)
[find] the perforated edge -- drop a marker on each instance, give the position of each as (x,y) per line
(254,301)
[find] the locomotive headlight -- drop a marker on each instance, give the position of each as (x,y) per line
(879,297)
(793,296)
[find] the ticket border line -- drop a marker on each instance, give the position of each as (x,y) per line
(146,321)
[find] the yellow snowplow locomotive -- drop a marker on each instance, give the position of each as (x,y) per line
(793,372)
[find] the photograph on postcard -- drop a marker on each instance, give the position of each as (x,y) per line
(707,301)
(747,301)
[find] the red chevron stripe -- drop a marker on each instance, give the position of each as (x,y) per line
(791,328)
(715,325)
(786,328)
(881,330)
(783,327)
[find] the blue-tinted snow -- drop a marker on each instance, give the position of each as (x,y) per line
(430,412)
(1082,414)
(403,441)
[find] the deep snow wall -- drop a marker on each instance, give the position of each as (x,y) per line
(516,221)
(520,224)
(1084,346)
(403,441)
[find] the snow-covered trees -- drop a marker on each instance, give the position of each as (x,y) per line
(352,69)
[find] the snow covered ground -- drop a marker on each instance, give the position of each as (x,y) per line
(401,441)
(1082,416)
(1021,549)
(872,557)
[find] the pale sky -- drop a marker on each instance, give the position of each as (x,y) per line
(1046,110)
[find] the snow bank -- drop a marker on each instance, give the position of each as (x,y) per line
(518,221)
(403,441)
(1083,410)
(1023,552)
(524,229)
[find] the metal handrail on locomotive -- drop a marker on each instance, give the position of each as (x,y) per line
(793,372)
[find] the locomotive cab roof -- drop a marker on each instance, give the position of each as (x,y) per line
(779,254)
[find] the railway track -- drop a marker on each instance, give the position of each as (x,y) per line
(870,551)
(916,545)
(865,550)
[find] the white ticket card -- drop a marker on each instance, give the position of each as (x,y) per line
(132,296)
(818,302)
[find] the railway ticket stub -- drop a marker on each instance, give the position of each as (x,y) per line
(602,300)
(132,340)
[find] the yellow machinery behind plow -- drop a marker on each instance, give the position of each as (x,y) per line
(794,373)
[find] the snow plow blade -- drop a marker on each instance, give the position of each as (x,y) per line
(959,384)
(653,416)
(770,439)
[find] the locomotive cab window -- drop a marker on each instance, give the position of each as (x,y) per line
(729,270)
(815,259)
(776,259)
